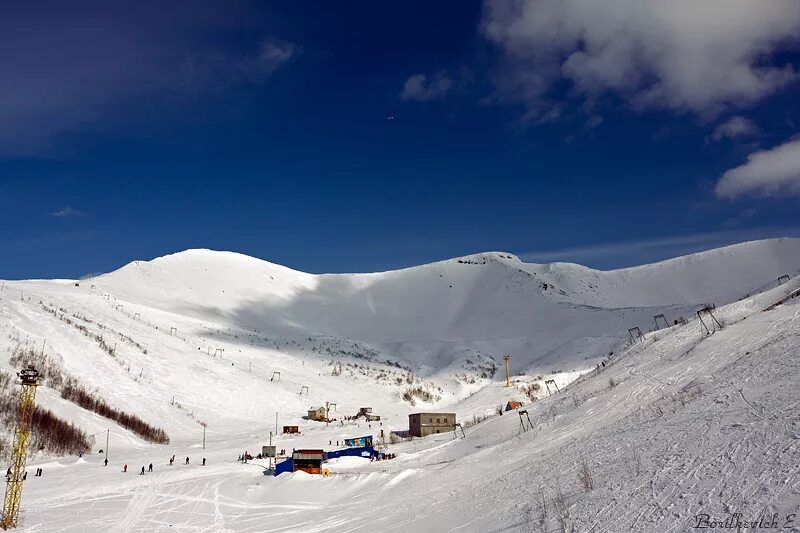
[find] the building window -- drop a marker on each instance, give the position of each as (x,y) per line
(431,420)
(438,420)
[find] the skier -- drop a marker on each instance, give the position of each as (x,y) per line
(187,460)
(150,468)
(171,459)
(142,472)
(204,461)
(124,468)
(106,462)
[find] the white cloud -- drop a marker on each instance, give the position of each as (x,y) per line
(271,55)
(773,172)
(735,127)
(701,56)
(67,212)
(422,88)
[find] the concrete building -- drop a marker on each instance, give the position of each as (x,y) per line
(317,413)
(424,424)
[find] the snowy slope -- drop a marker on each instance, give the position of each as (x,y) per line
(239,319)
(434,314)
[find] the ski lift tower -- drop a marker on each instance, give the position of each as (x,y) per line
(506,358)
(29,380)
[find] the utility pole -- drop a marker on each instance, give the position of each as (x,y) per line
(108,432)
(204,434)
(276,422)
(508,376)
(270,447)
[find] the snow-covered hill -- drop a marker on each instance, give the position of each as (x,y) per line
(199,336)
(436,314)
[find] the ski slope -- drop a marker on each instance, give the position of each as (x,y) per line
(692,424)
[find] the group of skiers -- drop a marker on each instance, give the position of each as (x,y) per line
(384,457)
(24,475)
(150,466)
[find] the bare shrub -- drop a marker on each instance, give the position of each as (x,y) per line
(49,433)
(612,383)
(52,434)
(532,391)
(78,395)
(542,509)
(411,394)
(474,421)
(585,476)
(561,510)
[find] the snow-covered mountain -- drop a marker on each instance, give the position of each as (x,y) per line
(200,336)
(547,316)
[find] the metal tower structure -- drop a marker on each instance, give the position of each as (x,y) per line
(29,380)
(508,376)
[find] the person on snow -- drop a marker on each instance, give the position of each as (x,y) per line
(124,468)
(171,459)
(142,472)
(25,476)
(106,462)
(187,460)
(204,461)
(150,468)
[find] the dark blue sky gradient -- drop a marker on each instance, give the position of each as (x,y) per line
(303,168)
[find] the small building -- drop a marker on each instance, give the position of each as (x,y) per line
(318,413)
(364,411)
(511,405)
(308,461)
(291,429)
(424,424)
(372,418)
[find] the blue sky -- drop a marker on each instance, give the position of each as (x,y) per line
(364,136)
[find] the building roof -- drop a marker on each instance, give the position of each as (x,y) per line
(432,414)
(315,408)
